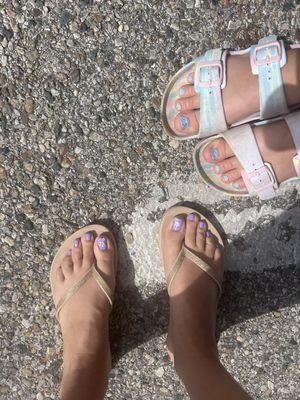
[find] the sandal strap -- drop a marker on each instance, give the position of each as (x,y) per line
(91,273)
(186,253)
(258,176)
(293,122)
(210,78)
(267,58)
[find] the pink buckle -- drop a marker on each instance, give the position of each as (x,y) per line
(268,59)
(209,83)
(260,178)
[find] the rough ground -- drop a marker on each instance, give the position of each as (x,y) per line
(81,141)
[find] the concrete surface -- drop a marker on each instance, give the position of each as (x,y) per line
(81,141)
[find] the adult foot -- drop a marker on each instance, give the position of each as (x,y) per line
(84,317)
(193,294)
(276,146)
(240,81)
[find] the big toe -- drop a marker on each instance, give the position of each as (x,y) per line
(104,250)
(217,151)
(175,234)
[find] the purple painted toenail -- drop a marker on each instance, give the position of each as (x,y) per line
(217,169)
(76,243)
(69,252)
(177,224)
(191,217)
(208,234)
(88,236)
(235,185)
(181,91)
(101,241)
(225,178)
(201,224)
(214,153)
(184,121)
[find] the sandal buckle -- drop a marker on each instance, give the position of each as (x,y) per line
(268,59)
(211,82)
(262,178)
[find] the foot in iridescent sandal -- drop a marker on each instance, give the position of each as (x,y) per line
(83,282)
(252,159)
(225,88)
(192,253)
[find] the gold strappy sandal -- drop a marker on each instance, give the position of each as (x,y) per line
(187,253)
(92,272)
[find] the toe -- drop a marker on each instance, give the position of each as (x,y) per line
(188,103)
(219,254)
(104,251)
(210,245)
(191,230)
(227,165)
(77,253)
(201,237)
(88,257)
(239,184)
(59,274)
(187,123)
(174,238)
(217,151)
(231,176)
(67,264)
(187,91)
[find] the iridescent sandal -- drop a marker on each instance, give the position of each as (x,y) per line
(166,221)
(92,273)
(259,176)
(266,58)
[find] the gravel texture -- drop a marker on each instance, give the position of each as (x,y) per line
(81,141)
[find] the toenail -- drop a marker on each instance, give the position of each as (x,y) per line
(88,236)
(201,224)
(76,243)
(190,78)
(217,169)
(214,153)
(102,243)
(69,252)
(191,217)
(181,91)
(225,178)
(177,224)
(236,185)
(178,106)
(208,234)
(184,122)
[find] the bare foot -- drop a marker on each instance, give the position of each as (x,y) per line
(193,294)
(276,146)
(240,81)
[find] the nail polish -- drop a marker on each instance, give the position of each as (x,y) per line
(201,224)
(208,234)
(178,106)
(214,153)
(235,185)
(217,169)
(191,217)
(184,122)
(225,178)
(181,92)
(76,243)
(101,241)
(69,252)
(177,224)
(88,236)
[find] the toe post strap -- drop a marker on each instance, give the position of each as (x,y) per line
(91,273)
(186,253)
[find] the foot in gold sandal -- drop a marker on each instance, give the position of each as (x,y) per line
(83,282)
(192,252)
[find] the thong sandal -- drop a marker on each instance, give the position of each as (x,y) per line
(186,252)
(92,272)
(258,176)
(266,58)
